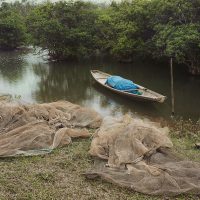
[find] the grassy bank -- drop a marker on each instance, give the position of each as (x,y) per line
(58,175)
(184,135)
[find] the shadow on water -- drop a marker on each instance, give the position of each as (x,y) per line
(146,109)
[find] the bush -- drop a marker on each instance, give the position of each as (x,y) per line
(12,28)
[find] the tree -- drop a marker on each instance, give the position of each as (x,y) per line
(131,25)
(126,30)
(181,42)
(66,29)
(177,32)
(12,28)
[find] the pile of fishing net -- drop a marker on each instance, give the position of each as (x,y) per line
(137,154)
(39,128)
(132,153)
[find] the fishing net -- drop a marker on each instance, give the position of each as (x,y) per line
(39,128)
(138,155)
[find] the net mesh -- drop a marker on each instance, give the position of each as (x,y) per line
(138,154)
(38,128)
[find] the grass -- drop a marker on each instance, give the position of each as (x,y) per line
(59,175)
(184,135)
(185,148)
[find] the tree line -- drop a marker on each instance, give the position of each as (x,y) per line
(129,30)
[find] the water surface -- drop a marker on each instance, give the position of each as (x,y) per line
(32,78)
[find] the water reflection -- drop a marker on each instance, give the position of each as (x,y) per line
(12,66)
(124,105)
(61,81)
(36,80)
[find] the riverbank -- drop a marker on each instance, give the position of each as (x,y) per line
(58,175)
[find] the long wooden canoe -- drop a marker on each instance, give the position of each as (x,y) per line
(147,95)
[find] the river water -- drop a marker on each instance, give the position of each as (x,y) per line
(32,78)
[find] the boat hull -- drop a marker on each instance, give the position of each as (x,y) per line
(101,77)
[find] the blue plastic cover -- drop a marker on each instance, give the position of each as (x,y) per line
(120,83)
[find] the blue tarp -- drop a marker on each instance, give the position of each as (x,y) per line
(120,83)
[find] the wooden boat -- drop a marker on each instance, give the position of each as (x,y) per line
(147,95)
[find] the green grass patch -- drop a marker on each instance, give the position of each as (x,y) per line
(59,175)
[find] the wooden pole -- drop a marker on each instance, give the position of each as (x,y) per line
(172,85)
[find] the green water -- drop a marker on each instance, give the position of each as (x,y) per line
(37,80)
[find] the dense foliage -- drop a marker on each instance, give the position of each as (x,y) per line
(177,31)
(128,30)
(67,30)
(12,28)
